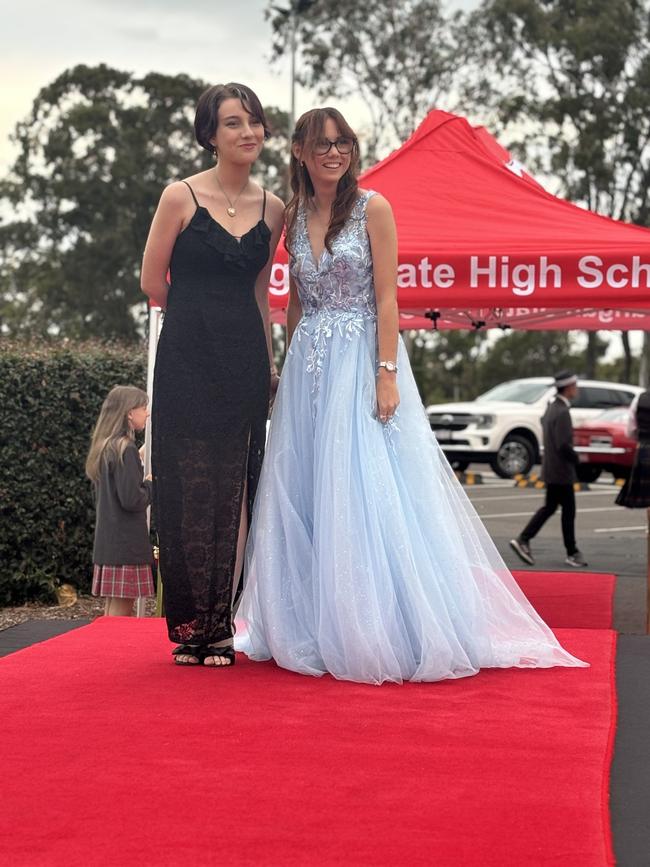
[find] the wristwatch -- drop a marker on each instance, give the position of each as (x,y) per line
(390,366)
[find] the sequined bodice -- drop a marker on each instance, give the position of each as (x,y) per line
(340,282)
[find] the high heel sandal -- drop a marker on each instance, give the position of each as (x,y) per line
(192,650)
(222,652)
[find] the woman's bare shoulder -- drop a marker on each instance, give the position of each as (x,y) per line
(275,208)
(376,202)
(176,193)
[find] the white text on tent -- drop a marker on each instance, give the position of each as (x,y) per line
(522,278)
(616,276)
(442,276)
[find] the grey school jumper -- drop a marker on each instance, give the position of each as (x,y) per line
(121,535)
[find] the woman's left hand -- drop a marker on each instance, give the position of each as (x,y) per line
(387,396)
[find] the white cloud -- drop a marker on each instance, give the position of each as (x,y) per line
(216,41)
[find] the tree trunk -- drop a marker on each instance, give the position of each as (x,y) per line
(627,354)
(591,354)
(644,367)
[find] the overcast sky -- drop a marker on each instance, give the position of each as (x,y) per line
(215,40)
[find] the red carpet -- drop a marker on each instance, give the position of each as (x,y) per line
(570,600)
(114,757)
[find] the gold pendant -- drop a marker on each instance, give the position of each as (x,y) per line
(231,212)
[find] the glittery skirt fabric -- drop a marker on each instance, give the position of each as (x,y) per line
(366,559)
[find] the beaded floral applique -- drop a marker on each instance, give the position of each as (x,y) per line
(336,291)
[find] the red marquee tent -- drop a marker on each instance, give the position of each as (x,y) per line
(482,243)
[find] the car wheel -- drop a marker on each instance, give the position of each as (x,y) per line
(516,455)
(587,474)
(461,466)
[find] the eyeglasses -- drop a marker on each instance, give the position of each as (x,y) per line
(343,145)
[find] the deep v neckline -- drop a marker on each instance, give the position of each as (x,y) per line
(316,260)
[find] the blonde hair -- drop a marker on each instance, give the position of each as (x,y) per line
(113,433)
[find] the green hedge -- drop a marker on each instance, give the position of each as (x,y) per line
(50,396)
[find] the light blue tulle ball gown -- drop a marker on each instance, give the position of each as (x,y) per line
(365,557)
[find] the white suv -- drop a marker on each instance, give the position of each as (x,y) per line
(503,426)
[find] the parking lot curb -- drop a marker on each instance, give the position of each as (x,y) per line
(530,480)
(534,481)
(469,478)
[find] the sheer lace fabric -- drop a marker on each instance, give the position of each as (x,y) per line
(209,413)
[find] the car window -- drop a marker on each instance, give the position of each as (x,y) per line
(595,397)
(625,398)
(618,414)
(517,391)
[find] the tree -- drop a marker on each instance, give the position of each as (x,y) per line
(446,363)
(621,369)
(271,169)
(400,58)
(528,353)
(569,80)
(573,77)
(95,152)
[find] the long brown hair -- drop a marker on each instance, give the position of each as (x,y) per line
(309,129)
(113,433)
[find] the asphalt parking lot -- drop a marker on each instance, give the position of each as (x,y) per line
(612,538)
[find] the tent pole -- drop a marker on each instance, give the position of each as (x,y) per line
(154,327)
(647,622)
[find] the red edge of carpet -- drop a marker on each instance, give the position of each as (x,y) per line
(570,600)
(609,755)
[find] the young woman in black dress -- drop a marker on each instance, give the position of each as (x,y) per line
(216,234)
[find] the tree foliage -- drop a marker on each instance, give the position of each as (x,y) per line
(460,365)
(95,152)
(400,58)
(529,353)
(570,81)
(446,363)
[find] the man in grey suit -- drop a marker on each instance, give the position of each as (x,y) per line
(559,473)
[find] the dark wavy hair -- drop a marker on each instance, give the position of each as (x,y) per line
(206,119)
(309,128)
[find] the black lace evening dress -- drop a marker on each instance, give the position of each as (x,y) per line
(209,411)
(635,493)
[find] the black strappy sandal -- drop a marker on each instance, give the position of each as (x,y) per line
(222,652)
(192,650)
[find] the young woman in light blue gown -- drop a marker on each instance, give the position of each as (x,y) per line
(365,557)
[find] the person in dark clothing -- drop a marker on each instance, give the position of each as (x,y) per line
(214,235)
(635,494)
(122,553)
(559,473)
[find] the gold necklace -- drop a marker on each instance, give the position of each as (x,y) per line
(231,210)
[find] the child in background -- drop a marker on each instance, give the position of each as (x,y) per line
(122,554)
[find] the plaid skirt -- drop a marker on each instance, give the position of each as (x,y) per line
(635,494)
(123,582)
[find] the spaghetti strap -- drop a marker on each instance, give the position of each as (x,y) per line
(263,203)
(191,191)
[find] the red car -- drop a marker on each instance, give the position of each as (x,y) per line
(603,444)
